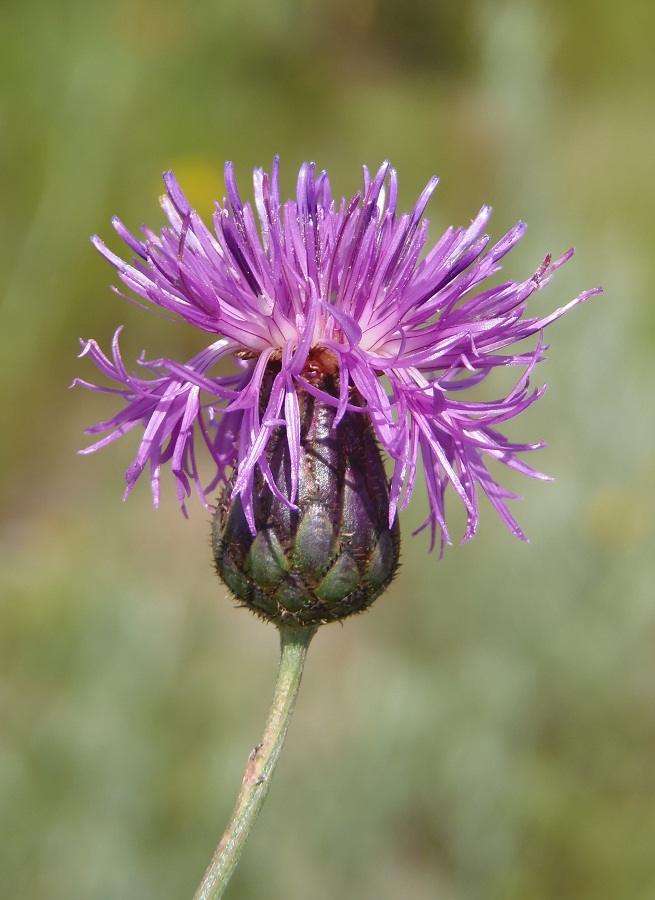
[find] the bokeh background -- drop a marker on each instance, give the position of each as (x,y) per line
(488,729)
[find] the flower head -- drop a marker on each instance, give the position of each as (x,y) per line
(312,288)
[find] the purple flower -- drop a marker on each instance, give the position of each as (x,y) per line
(273,286)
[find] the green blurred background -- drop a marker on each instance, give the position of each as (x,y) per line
(487,732)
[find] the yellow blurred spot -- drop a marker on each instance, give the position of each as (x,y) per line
(202,183)
(618,517)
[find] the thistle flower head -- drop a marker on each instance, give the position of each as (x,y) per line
(317,290)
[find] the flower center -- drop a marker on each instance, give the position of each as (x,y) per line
(320,364)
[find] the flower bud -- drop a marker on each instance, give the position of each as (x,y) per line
(333,555)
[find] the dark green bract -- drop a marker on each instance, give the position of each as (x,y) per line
(335,554)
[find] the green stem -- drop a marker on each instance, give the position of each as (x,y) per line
(261,764)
